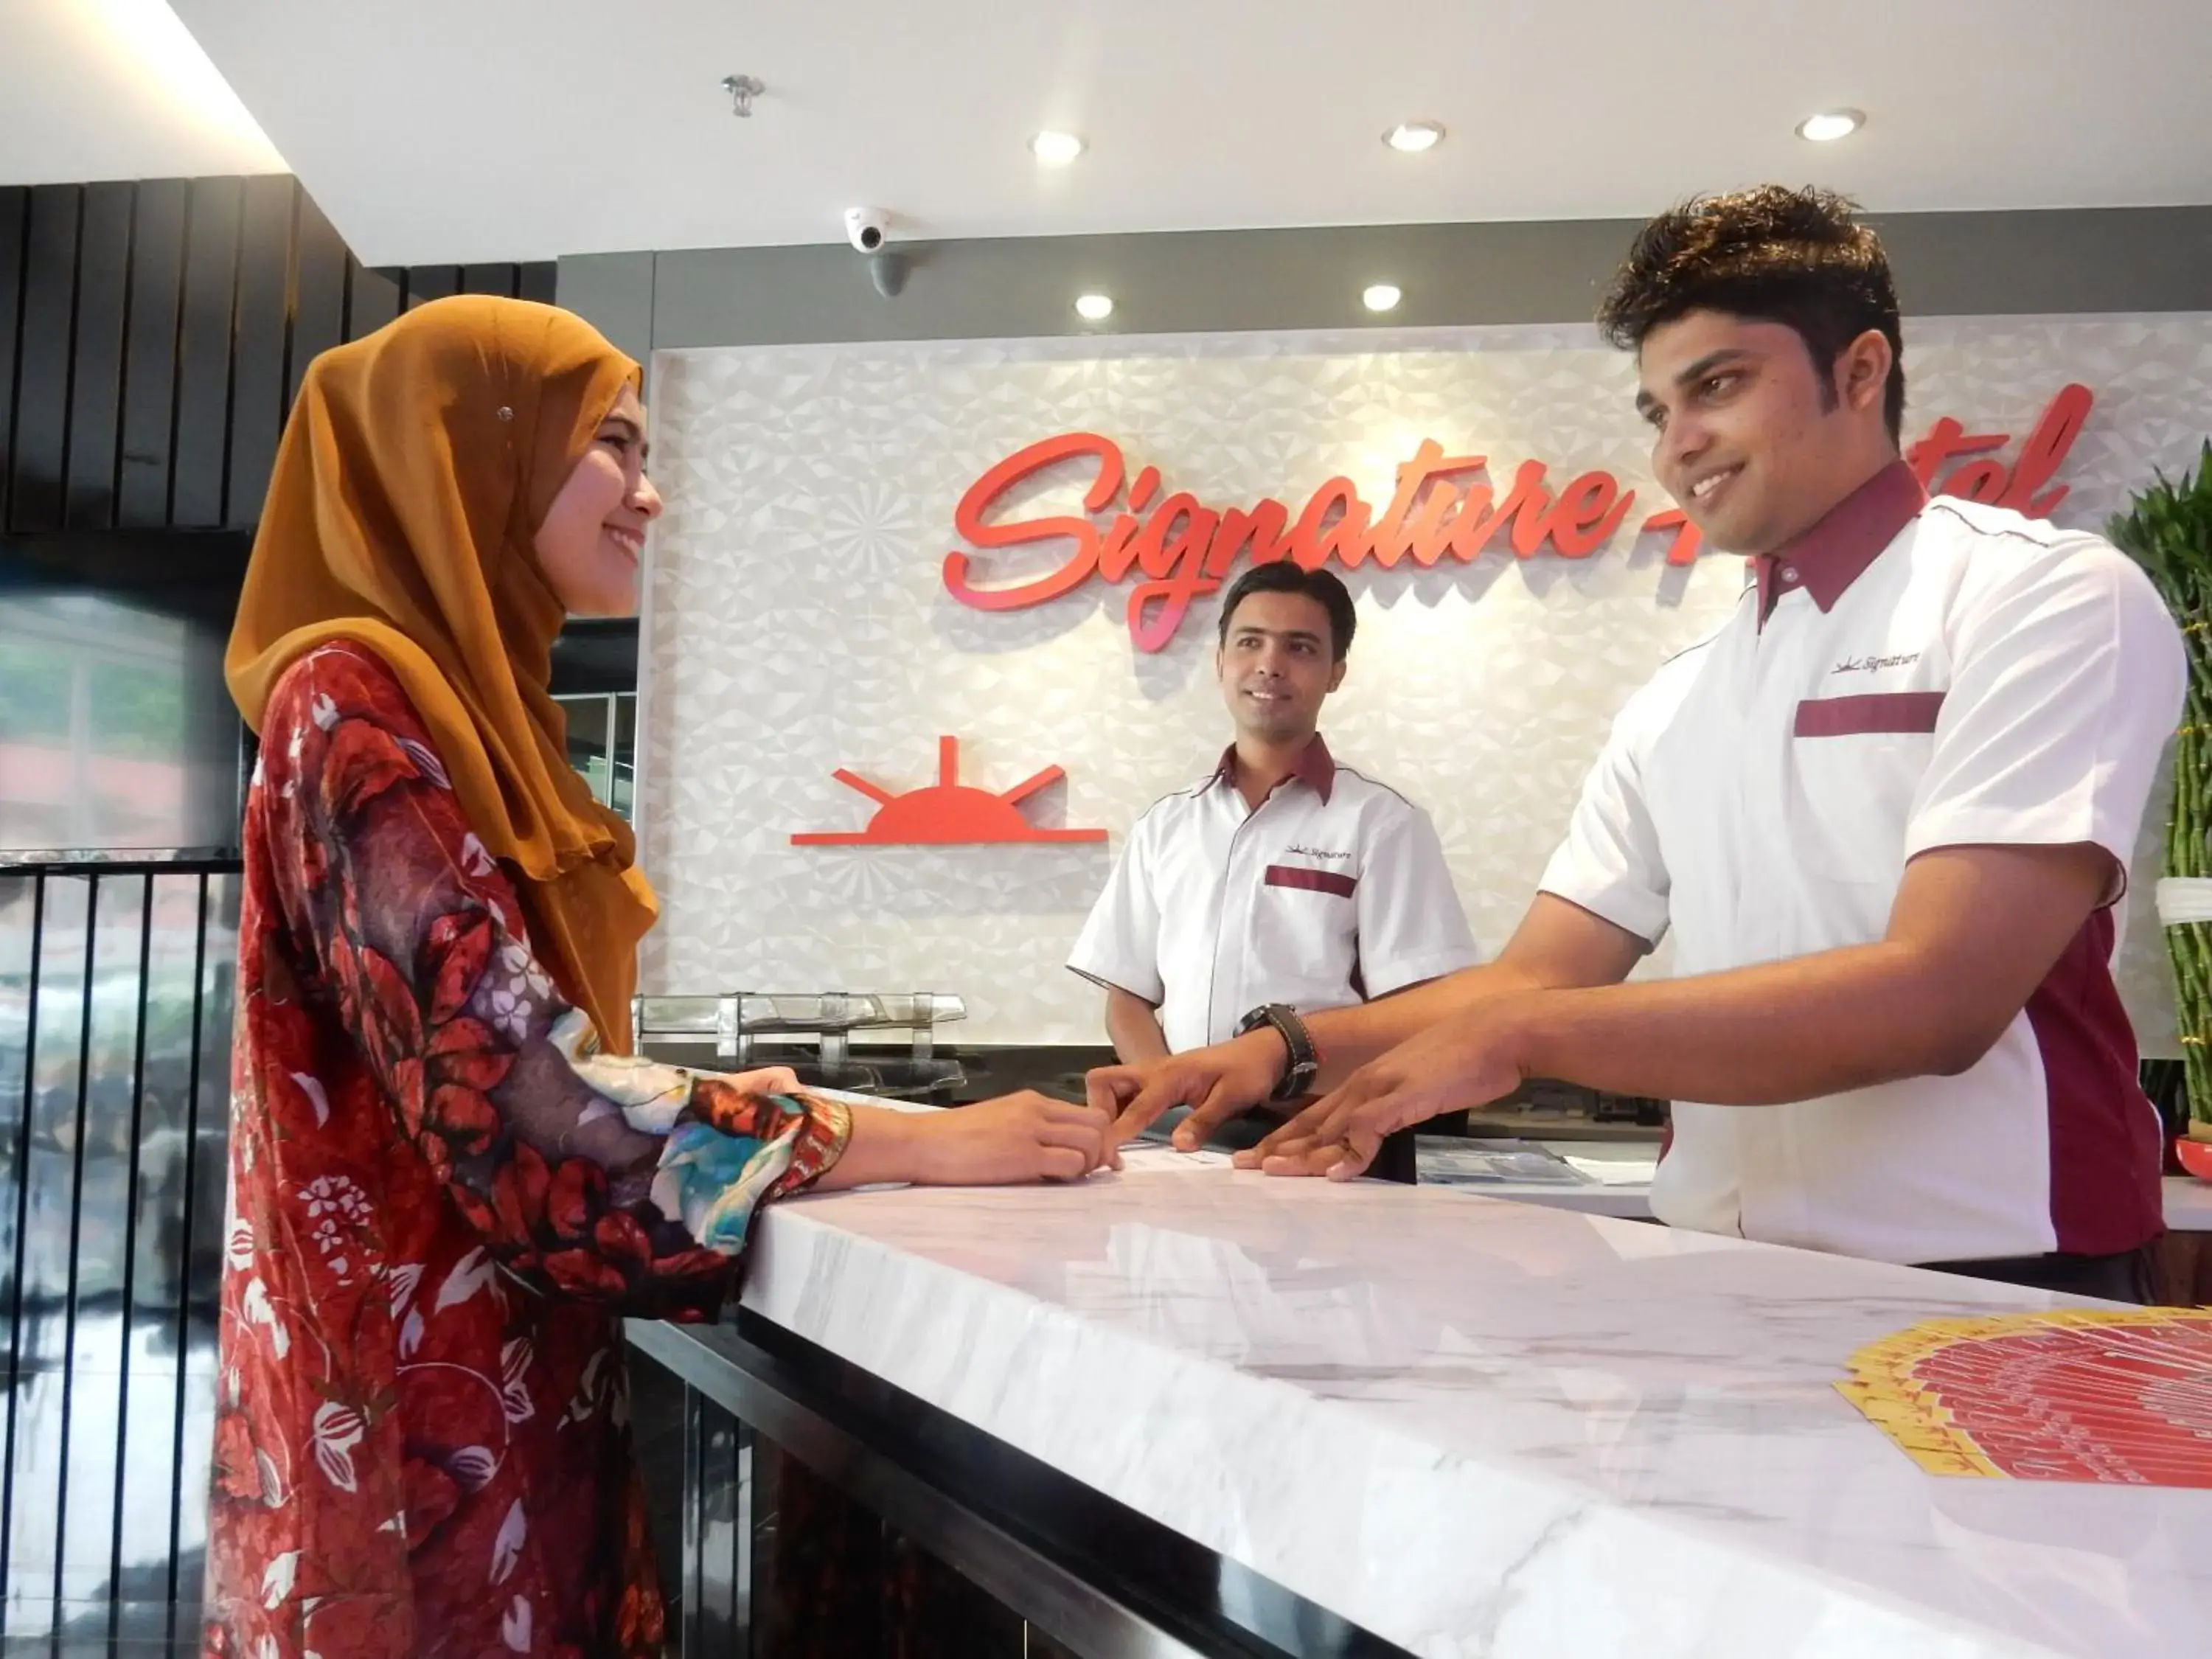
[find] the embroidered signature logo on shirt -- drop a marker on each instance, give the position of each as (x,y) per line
(1313,852)
(1870,664)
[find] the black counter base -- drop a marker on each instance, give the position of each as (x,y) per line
(822,1513)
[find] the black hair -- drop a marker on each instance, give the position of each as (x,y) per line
(1774,255)
(1285,576)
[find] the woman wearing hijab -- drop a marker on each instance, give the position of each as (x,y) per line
(448,1177)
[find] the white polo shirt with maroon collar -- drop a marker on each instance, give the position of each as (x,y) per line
(1911,674)
(1332,891)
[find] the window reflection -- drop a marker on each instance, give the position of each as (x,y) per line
(115,727)
(603,745)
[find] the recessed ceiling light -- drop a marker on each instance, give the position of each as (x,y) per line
(1414,136)
(1383,296)
(1056,149)
(1830,125)
(1094,307)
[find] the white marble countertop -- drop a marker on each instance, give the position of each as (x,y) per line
(1483,1428)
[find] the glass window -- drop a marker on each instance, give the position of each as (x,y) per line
(602,743)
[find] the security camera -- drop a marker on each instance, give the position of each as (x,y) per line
(864,228)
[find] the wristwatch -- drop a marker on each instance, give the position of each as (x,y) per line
(1304,1055)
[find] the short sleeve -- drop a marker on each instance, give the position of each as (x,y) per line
(1411,925)
(1610,863)
(1120,944)
(2067,680)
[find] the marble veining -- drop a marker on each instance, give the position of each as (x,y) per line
(1485,1428)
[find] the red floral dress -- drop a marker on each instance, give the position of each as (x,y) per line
(442,1200)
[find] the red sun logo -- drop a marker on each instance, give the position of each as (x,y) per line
(947,811)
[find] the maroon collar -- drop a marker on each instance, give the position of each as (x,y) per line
(1834,553)
(1313,768)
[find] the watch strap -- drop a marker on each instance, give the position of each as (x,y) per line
(1304,1055)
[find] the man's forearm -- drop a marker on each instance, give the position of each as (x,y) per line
(1350,1037)
(1755,1036)
(1134,1028)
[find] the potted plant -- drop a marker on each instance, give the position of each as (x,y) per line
(2168,530)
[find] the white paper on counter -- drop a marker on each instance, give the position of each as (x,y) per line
(1617,1171)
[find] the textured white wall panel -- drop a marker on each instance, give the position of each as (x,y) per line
(797,620)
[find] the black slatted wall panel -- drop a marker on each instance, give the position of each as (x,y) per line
(202,435)
(14,236)
(95,395)
(153,337)
(321,271)
(42,357)
(146,464)
(261,326)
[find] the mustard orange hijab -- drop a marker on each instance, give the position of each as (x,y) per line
(415,469)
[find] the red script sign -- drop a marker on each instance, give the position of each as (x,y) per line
(1444,507)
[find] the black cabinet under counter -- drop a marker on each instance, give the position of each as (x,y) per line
(804,1509)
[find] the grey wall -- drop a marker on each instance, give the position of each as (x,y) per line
(1947,264)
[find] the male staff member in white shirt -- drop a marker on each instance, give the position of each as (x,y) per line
(1886,811)
(1282,879)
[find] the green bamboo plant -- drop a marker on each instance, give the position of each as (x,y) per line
(2168,532)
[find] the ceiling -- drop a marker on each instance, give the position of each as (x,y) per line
(494,129)
(115,90)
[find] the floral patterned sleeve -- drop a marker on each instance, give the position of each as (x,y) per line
(610,1179)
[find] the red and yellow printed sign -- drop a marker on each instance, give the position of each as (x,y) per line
(2122,1397)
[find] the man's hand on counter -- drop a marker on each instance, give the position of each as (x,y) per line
(1558,945)
(1469,1062)
(1217,1082)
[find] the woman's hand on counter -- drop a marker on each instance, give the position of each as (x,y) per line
(1009,1141)
(766,1081)
(1019,1137)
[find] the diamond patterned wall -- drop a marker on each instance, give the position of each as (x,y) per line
(796,620)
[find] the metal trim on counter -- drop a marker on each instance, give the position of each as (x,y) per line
(735,1020)
(1051,1550)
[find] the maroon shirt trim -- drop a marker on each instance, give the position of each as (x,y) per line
(2106,1141)
(1316,881)
(1873,711)
(1314,767)
(1825,560)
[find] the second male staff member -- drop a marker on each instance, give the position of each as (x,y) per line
(1282,878)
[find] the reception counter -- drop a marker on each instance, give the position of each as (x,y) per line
(1411,1420)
